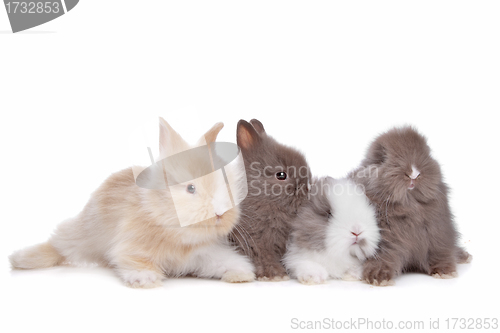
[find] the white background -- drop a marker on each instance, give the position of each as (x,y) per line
(323,76)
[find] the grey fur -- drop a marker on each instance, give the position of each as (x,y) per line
(309,227)
(265,215)
(417,228)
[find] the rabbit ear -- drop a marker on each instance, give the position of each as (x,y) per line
(211,135)
(246,135)
(170,141)
(258,126)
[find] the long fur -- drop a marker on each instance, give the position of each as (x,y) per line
(136,231)
(332,234)
(413,213)
(271,203)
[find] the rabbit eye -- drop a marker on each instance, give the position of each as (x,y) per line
(190,188)
(281,175)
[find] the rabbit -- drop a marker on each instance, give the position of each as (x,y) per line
(136,231)
(405,184)
(332,234)
(278,183)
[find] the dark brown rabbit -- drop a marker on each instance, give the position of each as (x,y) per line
(278,180)
(405,183)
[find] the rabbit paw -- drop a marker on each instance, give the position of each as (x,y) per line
(350,277)
(312,279)
(445,275)
(276,278)
(141,279)
(462,256)
(383,283)
(444,270)
(467,259)
(238,276)
(355,273)
(274,273)
(378,274)
(312,274)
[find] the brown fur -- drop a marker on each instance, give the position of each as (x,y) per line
(265,218)
(417,229)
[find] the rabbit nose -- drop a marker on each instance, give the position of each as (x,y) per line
(218,219)
(355,234)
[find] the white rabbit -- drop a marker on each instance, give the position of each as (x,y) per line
(332,234)
(137,231)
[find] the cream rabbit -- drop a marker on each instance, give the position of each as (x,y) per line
(137,231)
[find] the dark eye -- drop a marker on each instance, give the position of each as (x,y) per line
(190,188)
(281,175)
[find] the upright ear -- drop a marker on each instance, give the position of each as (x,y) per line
(376,154)
(258,126)
(170,141)
(246,135)
(211,135)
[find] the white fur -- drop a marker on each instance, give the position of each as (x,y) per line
(221,201)
(140,279)
(414,172)
(340,259)
(218,260)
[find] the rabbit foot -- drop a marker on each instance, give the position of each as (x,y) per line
(272,273)
(467,259)
(311,279)
(312,274)
(445,275)
(378,274)
(238,276)
(383,283)
(276,278)
(350,277)
(141,279)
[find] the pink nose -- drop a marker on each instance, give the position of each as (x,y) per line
(355,234)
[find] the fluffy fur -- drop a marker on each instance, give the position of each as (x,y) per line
(136,231)
(271,203)
(333,233)
(404,182)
